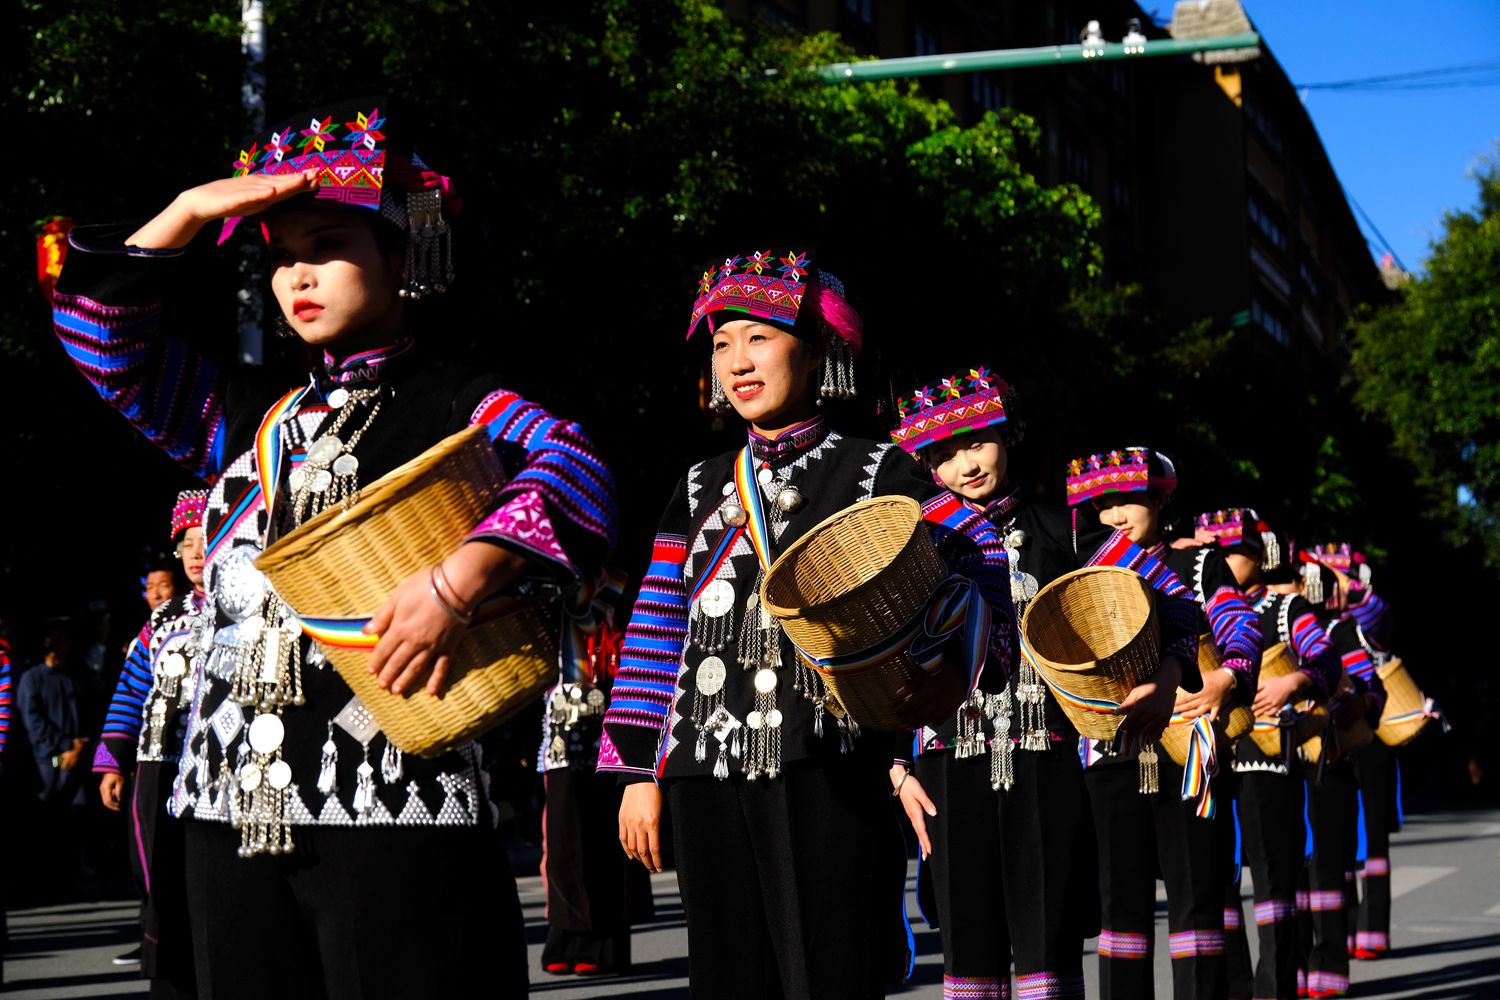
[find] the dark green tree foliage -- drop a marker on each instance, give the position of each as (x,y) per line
(1428,367)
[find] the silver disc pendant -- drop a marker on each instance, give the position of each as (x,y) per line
(345,465)
(174,664)
(765,476)
(279,775)
(773,718)
(755,720)
(338,397)
(250,776)
(717,599)
(789,499)
(320,480)
(297,478)
(266,733)
(710,676)
(324,450)
(734,515)
(765,680)
(595,698)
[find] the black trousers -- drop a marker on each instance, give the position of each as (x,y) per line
(375,912)
(1013,873)
(594,893)
(1272,837)
(792,887)
(1138,836)
(1332,803)
(1237,965)
(157,854)
(1375,767)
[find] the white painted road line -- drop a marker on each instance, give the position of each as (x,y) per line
(1408,878)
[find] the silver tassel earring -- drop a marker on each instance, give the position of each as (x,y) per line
(429,246)
(837,369)
(718,399)
(283,328)
(1312,578)
(1271,559)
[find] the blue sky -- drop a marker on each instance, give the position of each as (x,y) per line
(1404,156)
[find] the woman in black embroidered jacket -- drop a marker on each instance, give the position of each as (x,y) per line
(788,855)
(344,844)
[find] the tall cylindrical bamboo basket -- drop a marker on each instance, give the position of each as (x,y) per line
(853,582)
(1093,635)
(342,564)
(1233,724)
(1405,714)
(1276,661)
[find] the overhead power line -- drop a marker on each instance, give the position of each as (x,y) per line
(1483,74)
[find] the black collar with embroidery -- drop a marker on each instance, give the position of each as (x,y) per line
(366,368)
(790,443)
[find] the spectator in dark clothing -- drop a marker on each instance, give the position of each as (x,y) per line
(48,706)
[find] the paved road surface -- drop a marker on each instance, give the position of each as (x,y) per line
(1446,934)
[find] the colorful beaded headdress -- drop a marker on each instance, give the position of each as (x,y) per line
(1335,555)
(187,512)
(779,286)
(1127,470)
(1242,526)
(346,143)
(956,405)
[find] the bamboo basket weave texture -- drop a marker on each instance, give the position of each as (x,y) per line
(1176,738)
(1277,661)
(1402,697)
(1093,635)
(853,581)
(1347,737)
(345,562)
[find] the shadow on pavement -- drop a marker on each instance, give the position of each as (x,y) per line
(1478,980)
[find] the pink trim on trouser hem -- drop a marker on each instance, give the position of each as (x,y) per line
(976,988)
(1050,986)
(1191,944)
(1373,940)
(1123,944)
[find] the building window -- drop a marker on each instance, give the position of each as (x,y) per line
(864,10)
(1311,281)
(924,40)
(1267,320)
(986,92)
(1263,125)
(1266,223)
(1077,166)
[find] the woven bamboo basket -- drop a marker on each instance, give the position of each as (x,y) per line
(1093,635)
(1402,697)
(1348,736)
(853,581)
(1176,738)
(343,564)
(1277,661)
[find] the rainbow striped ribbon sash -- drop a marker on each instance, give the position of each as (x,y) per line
(755,512)
(957,609)
(1100,706)
(348,632)
(1201,765)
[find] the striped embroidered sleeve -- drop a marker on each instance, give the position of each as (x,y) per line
(1236,631)
(560,501)
(1176,610)
(1356,660)
(122,720)
(1315,653)
(640,706)
(1373,617)
(107,316)
(970,544)
(5,694)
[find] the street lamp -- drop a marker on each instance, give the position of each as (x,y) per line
(1134,43)
(1092,40)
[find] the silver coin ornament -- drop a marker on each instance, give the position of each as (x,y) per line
(324,450)
(575,693)
(773,718)
(559,699)
(338,397)
(789,500)
(266,733)
(717,599)
(596,698)
(765,680)
(239,588)
(710,676)
(250,777)
(279,775)
(755,720)
(765,476)
(734,515)
(345,465)
(297,479)
(174,664)
(320,480)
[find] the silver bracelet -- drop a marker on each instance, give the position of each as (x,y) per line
(896,792)
(433,579)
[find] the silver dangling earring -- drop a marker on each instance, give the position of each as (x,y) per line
(718,399)
(283,328)
(837,369)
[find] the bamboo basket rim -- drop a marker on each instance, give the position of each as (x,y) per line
(373,498)
(815,532)
(1061,583)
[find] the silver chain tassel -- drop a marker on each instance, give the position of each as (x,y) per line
(837,368)
(1146,764)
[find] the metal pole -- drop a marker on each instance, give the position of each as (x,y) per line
(1045,55)
(253,102)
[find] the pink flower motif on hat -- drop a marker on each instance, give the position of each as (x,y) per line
(980,378)
(706,282)
(923,397)
(365,129)
(794,265)
(278,145)
(1075,467)
(316,134)
(726,268)
(246,162)
(1116,458)
(951,388)
(758,262)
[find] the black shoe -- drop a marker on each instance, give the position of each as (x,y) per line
(131,957)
